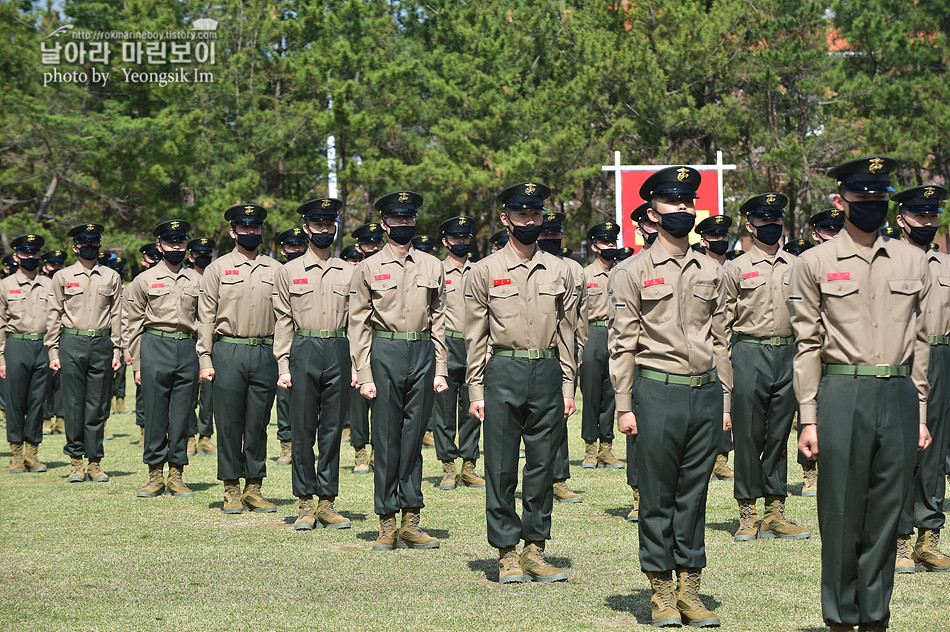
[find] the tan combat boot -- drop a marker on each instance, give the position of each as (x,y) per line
(634,514)
(48,426)
(748,521)
(77,471)
(254,499)
(17,465)
(538,569)
(469,478)
(120,408)
(191,448)
(141,443)
(31,458)
(205,446)
(175,484)
(285,457)
(590,455)
(810,478)
(232,497)
(328,516)
(306,518)
(606,458)
(721,471)
(448,475)
(688,602)
(95,472)
(361,463)
(106,435)
(663,601)
(776,525)
(59,426)
(372,458)
(927,554)
(841,627)
(872,627)
(386,539)
(904,564)
(428,441)
(155,486)
(509,566)
(345,435)
(411,535)
(564,494)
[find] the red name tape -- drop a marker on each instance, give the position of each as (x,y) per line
(299,281)
(448,281)
(593,285)
(750,275)
(231,272)
(839,276)
(650,282)
(72,285)
(158,285)
(498,282)
(16,291)
(380,277)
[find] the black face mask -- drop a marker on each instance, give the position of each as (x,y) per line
(402,235)
(174,257)
(550,246)
(769,234)
(650,237)
(32,264)
(526,235)
(609,253)
(293,255)
(677,224)
(368,253)
(249,241)
(867,215)
(718,247)
(202,261)
(89,252)
(921,235)
(460,250)
(322,241)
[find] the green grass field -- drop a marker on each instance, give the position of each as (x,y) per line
(92,556)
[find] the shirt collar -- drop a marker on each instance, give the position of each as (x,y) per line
(846,248)
(757,255)
(387,255)
(658,254)
(310,260)
(512,260)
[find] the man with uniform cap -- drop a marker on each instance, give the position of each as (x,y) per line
(861,383)
(351,254)
(826,225)
(235,336)
(597,416)
(397,346)
(117,263)
(53,262)
(714,238)
(293,244)
(623,254)
(357,414)
(151,255)
(451,417)
(423,243)
(9,265)
(520,307)
(763,398)
(369,238)
(313,362)
(894,232)
(549,241)
(797,246)
(162,308)
(84,339)
(918,218)
(200,252)
(498,239)
(669,330)
(24,362)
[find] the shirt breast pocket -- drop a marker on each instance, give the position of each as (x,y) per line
(72,296)
(189,300)
(903,298)
(232,288)
(105,297)
(841,301)
(384,294)
(752,291)
(656,303)
(301,298)
(943,286)
(504,302)
(341,295)
(427,288)
(160,298)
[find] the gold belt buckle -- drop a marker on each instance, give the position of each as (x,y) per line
(91,333)
(882,370)
(534,354)
(412,335)
(324,333)
(253,342)
(696,380)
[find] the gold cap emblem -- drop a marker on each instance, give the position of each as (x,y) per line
(551,217)
(929,192)
(403,197)
(374,226)
(835,214)
(296,231)
(204,241)
(175,224)
(90,228)
(325,203)
(608,226)
(719,219)
(875,165)
(424,239)
(31,238)
(463,221)
(530,188)
(248,210)
(770,198)
(682,173)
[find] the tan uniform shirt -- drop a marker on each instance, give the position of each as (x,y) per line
(236,298)
(521,304)
(597,281)
(757,294)
(669,315)
(310,294)
(160,299)
(454,294)
(84,299)
(389,293)
(579,317)
(861,307)
(23,306)
(937,308)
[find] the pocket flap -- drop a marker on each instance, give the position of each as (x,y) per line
(705,292)
(656,292)
(905,286)
(550,288)
(838,288)
(503,291)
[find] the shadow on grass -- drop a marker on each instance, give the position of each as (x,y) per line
(821,629)
(367,536)
(560,562)
(489,568)
(352,516)
(52,464)
(113,474)
(200,487)
(729,526)
(795,489)
(637,603)
(619,512)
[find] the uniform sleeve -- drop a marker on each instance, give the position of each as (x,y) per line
(731,282)
(359,329)
(624,336)
(922,344)
(566,331)
(582,316)
(284,321)
(115,317)
(134,316)
(720,340)
(804,308)
(207,314)
(476,331)
(4,318)
(437,326)
(54,321)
